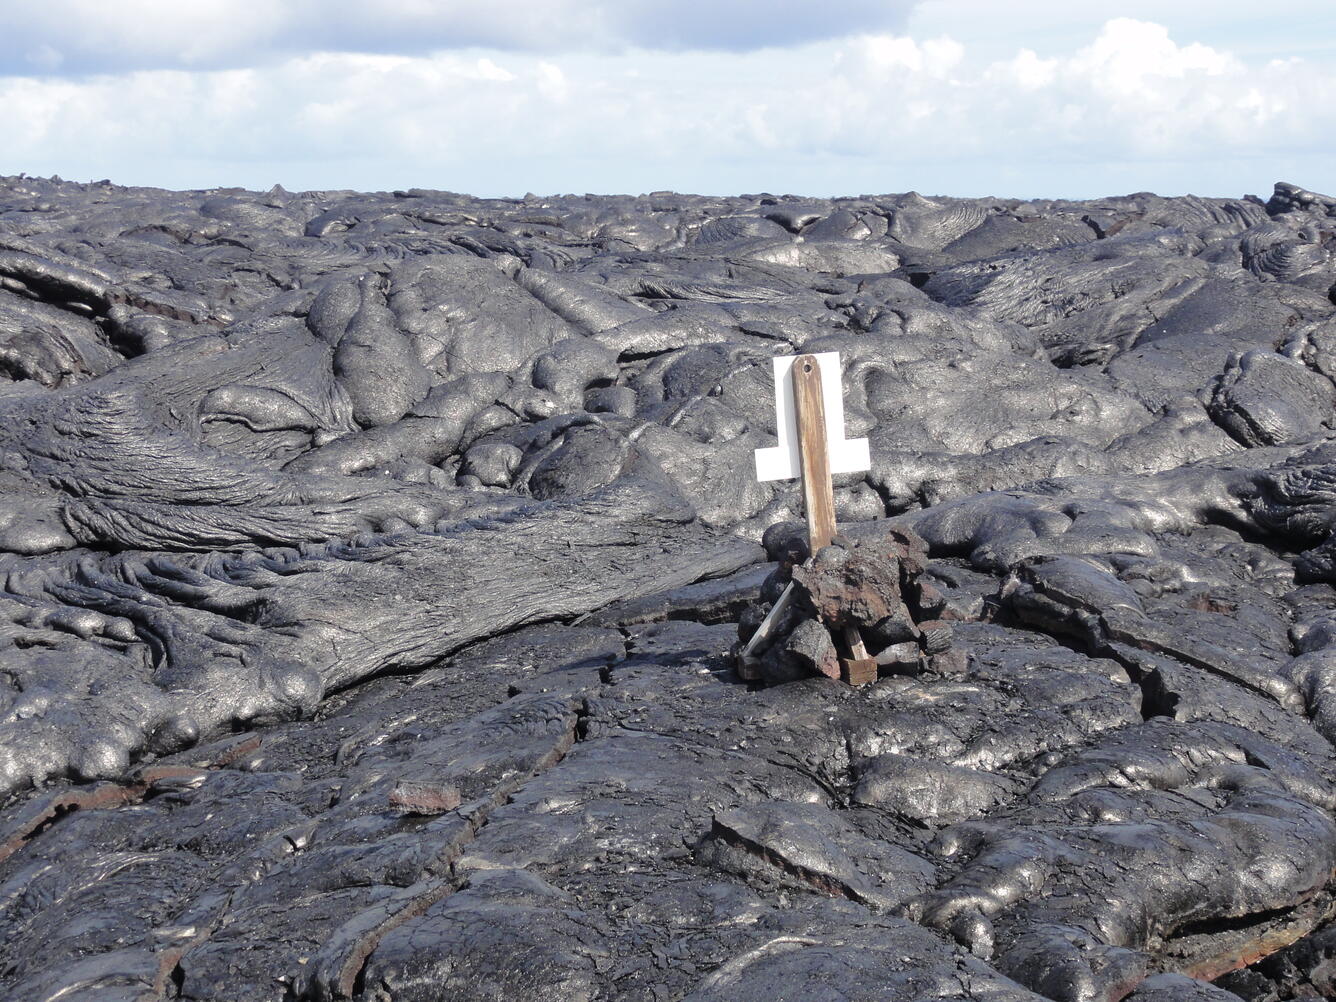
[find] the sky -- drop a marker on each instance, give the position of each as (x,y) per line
(1018,98)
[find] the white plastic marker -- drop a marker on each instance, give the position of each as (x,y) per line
(782,462)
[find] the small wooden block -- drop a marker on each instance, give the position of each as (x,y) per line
(859,671)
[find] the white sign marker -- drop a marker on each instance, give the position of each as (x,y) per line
(847,455)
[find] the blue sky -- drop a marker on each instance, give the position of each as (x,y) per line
(1027,98)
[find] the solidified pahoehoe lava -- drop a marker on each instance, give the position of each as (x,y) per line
(371,564)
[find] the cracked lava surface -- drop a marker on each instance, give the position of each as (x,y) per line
(371,565)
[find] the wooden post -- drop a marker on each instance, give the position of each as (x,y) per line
(810,411)
(819,495)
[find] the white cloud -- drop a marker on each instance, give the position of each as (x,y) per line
(1161,99)
(1129,108)
(89,36)
(1133,59)
(1131,93)
(1026,71)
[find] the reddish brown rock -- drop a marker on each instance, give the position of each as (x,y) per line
(846,588)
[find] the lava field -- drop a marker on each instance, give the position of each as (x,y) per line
(373,567)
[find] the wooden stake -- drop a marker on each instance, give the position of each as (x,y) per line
(810,411)
(748,664)
(819,495)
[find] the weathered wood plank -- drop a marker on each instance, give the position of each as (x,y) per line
(818,496)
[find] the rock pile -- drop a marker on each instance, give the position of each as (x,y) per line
(875,588)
